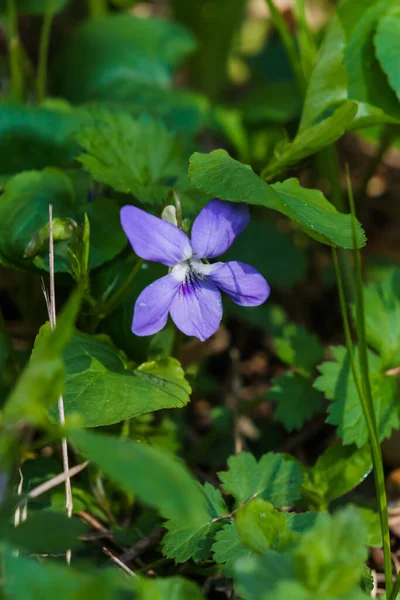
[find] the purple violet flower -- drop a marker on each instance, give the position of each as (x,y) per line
(191,290)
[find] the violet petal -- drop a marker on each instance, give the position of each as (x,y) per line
(217,226)
(244,284)
(152,306)
(154,239)
(197,308)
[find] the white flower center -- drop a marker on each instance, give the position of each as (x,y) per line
(191,268)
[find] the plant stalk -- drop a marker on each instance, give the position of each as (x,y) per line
(41,78)
(14,51)
(368,405)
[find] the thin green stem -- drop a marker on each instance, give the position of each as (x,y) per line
(14,51)
(396,588)
(289,45)
(41,79)
(307,45)
(98,8)
(328,165)
(345,319)
(368,404)
(116,298)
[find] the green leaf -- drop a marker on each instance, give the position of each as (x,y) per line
(184,541)
(387,43)
(372,522)
(327,88)
(337,383)
(46,532)
(32,137)
(298,348)
(382,317)
(316,216)
(255,574)
(168,588)
(107,52)
(259,525)
(34,7)
(310,140)
(367,81)
(41,382)
(171,489)
(263,238)
(96,372)
(33,580)
(139,157)
(228,547)
(330,556)
(275,478)
(24,212)
(288,590)
(296,400)
(217,174)
(337,471)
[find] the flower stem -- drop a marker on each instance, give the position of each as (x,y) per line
(14,51)
(368,405)
(116,298)
(289,45)
(41,79)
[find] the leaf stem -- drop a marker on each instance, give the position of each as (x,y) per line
(41,79)
(114,300)
(14,51)
(289,45)
(367,402)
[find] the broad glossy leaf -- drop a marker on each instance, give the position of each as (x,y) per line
(171,489)
(275,477)
(367,81)
(97,372)
(337,383)
(139,157)
(259,525)
(382,317)
(296,399)
(288,590)
(311,139)
(337,471)
(184,541)
(387,43)
(217,174)
(24,212)
(46,532)
(32,137)
(109,51)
